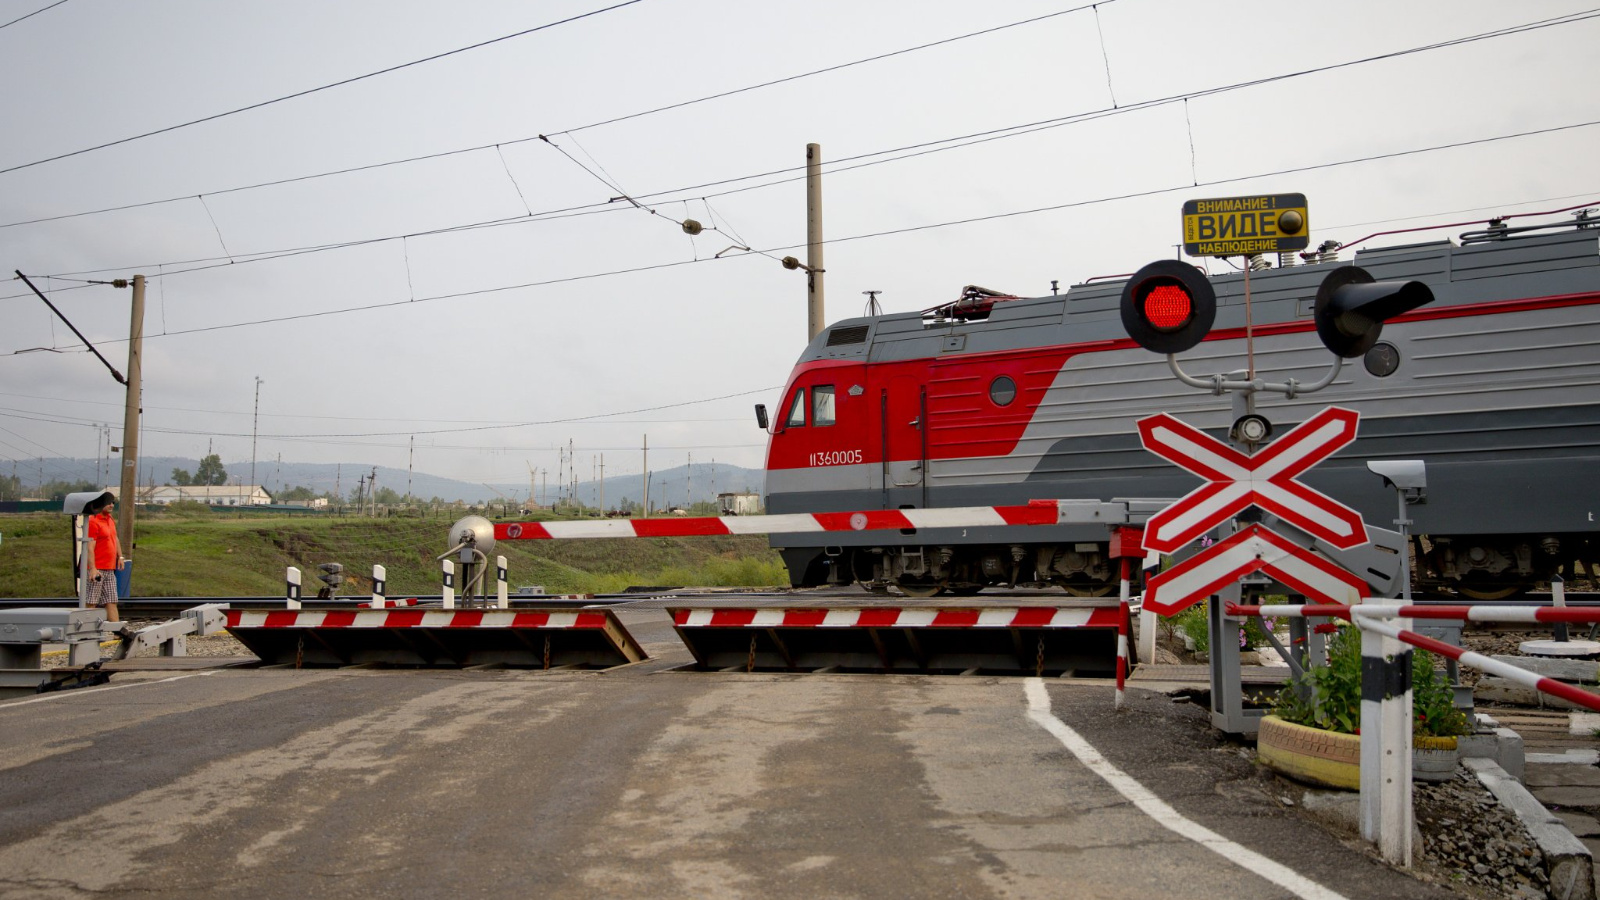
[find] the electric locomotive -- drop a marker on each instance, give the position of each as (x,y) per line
(996,399)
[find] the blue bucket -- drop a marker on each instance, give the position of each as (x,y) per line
(125,578)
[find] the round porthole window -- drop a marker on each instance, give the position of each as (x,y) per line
(1383,359)
(1002,390)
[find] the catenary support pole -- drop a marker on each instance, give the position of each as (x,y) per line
(130,421)
(815,318)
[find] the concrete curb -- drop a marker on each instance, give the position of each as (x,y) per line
(1566,859)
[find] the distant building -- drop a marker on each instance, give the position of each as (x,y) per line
(741,503)
(210,495)
(313,503)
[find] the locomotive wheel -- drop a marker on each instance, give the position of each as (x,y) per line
(920,589)
(1487,592)
(1090,589)
(966,590)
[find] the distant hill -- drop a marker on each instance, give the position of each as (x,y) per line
(667,487)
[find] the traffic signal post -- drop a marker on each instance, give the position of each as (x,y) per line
(1169,307)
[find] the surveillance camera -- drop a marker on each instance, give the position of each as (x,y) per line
(1401,474)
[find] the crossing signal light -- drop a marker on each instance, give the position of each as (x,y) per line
(1352,307)
(1168,306)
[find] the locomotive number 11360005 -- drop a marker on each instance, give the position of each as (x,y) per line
(836,458)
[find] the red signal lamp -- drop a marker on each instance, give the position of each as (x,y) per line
(1168,306)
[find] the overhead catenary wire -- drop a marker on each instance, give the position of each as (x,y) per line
(527,139)
(309,91)
(421,431)
(1501,32)
(864,160)
(32,14)
(1151,192)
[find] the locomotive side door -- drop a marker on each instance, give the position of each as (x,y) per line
(902,413)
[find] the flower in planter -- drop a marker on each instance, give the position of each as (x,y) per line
(1332,693)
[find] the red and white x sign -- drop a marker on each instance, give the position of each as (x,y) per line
(1256,548)
(1236,482)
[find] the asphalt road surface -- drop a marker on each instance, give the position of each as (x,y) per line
(642,782)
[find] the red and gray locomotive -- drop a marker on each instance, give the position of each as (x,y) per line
(996,399)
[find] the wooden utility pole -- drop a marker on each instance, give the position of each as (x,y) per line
(815,319)
(130,420)
(644,475)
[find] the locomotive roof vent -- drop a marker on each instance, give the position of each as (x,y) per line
(849,334)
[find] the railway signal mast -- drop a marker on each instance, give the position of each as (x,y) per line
(1168,307)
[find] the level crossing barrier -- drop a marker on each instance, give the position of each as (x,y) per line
(1386,712)
(534,638)
(1044,637)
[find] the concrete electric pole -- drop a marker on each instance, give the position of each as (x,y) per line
(130,421)
(814,310)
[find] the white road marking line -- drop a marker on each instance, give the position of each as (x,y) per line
(98,690)
(1165,815)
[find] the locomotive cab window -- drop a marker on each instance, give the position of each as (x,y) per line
(797,411)
(822,405)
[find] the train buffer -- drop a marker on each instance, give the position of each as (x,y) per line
(1021,636)
(419,636)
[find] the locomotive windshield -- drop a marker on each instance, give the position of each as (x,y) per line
(797,410)
(822,405)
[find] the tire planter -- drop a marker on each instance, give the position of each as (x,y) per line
(1331,759)
(1312,755)
(1434,758)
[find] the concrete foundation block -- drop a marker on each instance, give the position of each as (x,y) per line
(1502,745)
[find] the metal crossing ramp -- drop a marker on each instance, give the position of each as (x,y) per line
(531,638)
(1013,636)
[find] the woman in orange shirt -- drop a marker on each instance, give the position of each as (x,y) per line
(105,558)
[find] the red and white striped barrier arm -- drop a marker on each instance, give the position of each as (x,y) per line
(413,618)
(1037,512)
(1577,615)
(1483,663)
(388,603)
(895,617)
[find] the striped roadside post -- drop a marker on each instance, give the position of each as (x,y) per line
(380,583)
(447,592)
(1147,617)
(502,590)
(291,588)
(1386,810)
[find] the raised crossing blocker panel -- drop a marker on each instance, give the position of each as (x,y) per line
(524,638)
(1051,638)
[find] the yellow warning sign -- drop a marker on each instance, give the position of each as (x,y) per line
(1241,226)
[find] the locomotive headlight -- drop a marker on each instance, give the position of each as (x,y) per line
(1251,429)
(1168,306)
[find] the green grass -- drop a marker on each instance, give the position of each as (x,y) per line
(229,555)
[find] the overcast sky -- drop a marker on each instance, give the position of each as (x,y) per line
(539,319)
